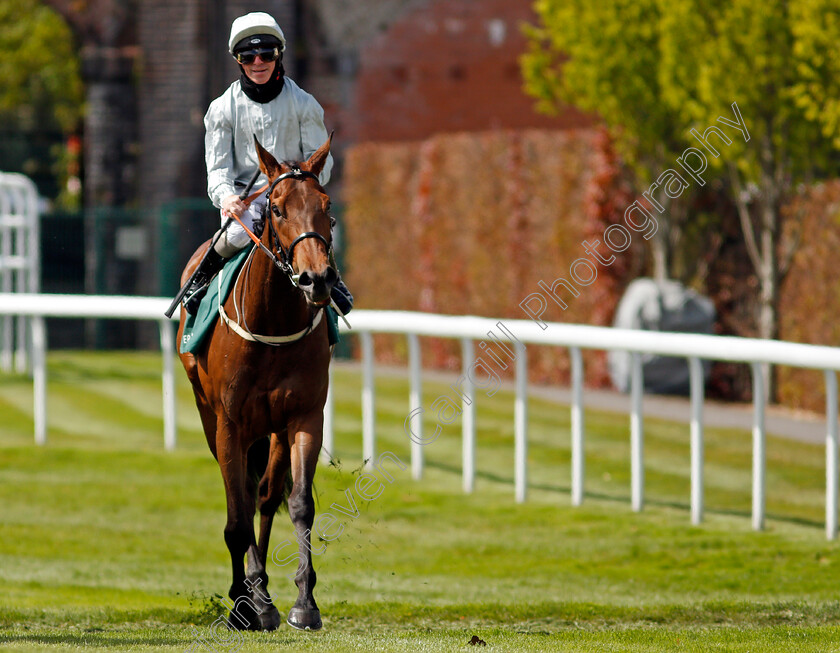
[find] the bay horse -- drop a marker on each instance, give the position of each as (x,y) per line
(262,403)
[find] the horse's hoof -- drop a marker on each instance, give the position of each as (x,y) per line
(304,619)
(269,618)
(243,617)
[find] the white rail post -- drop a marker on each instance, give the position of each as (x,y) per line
(167,348)
(831,454)
(520,423)
(20,252)
(695,370)
(368,401)
(415,400)
(29,278)
(637,443)
(34,233)
(328,436)
(39,378)
(578,464)
(6,278)
(759,450)
(468,419)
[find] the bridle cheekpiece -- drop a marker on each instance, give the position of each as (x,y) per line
(286,257)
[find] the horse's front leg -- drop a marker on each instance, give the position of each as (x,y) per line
(249,611)
(305,443)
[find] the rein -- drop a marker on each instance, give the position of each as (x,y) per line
(284,263)
(246,333)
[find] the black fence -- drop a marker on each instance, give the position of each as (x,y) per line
(121,251)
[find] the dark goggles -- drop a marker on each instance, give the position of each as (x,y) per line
(266,54)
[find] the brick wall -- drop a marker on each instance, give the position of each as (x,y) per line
(382,70)
(449,66)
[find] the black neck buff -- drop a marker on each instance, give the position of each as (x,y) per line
(263,93)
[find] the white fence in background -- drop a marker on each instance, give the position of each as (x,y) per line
(515,334)
(19,262)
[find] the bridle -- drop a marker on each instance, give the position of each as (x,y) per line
(284,263)
(287,256)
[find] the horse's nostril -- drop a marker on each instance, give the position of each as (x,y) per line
(330,276)
(305,279)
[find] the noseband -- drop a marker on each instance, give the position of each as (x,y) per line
(286,257)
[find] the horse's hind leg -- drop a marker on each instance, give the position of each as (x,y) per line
(272,490)
(305,436)
(262,459)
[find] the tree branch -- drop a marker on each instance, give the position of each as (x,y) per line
(745,218)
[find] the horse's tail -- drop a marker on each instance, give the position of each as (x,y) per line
(258,460)
(258,456)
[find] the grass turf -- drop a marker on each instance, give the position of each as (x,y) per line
(110,543)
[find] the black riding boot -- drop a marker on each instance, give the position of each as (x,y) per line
(203,275)
(342,297)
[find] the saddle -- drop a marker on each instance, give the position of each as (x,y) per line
(196,327)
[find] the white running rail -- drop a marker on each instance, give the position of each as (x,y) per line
(510,336)
(20,261)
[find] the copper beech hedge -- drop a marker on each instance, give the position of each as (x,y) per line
(470,223)
(809,303)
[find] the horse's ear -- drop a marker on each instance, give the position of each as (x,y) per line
(316,162)
(268,164)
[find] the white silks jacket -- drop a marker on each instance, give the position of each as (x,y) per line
(291,127)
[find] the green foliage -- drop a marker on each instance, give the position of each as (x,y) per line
(816,31)
(39,66)
(41,98)
(653,69)
(762,54)
(603,57)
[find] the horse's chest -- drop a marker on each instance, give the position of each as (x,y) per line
(267,402)
(266,390)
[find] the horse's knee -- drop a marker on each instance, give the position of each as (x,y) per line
(267,505)
(269,502)
(301,507)
(238,536)
(269,497)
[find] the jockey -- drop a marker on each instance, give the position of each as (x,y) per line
(288,122)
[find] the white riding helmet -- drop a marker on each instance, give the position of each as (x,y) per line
(257,22)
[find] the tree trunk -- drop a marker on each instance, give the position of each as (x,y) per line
(659,252)
(660,244)
(763,209)
(768,319)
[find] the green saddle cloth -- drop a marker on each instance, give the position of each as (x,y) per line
(196,327)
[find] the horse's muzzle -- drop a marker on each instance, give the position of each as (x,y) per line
(317,287)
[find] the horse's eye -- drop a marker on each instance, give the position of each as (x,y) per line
(275,210)
(332,222)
